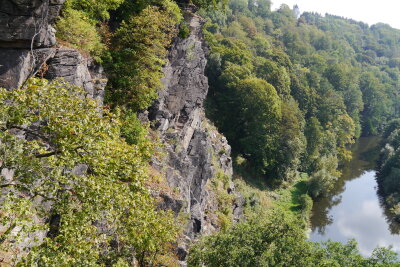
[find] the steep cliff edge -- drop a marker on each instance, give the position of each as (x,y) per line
(28,47)
(197,163)
(196,152)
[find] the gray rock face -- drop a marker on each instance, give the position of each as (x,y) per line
(16,65)
(196,151)
(27,42)
(70,65)
(27,23)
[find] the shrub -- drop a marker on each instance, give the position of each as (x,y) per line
(324,178)
(320,183)
(79,32)
(95,9)
(132,129)
(306,205)
(220,184)
(184,30)
(136,133)
(139,53)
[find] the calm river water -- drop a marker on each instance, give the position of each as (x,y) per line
(353,209)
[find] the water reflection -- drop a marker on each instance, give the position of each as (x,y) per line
(353,209)
(394,226)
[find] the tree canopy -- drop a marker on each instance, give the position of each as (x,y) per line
(67,158)
(327,78)
(278,240)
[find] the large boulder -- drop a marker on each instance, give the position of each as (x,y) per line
(70,65)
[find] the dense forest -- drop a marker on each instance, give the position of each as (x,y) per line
(291,94)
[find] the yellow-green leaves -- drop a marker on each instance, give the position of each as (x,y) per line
(70,163)
(95,9)
(75,28)
(140,50)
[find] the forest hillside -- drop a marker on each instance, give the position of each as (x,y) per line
(185,133)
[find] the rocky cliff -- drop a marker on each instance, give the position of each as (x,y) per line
(28,47)
(197,153)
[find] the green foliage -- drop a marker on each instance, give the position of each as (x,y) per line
(184,30)
(259,105)
(374,110)
(256,200)
(75,161)
(291,141)
(324,177)
(142,33)
(78,31)
(306,204)
(259,242)
(220,184)
(325,87)
(132,129)
(94,9)
(389,168)
(277,240)
(294,197)
(275,75)
(130,83)
(209,3)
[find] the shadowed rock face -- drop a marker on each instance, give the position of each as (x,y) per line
(27,45)
(16,65)
(196,151)
(27,23)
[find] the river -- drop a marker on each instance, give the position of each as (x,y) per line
(353,209)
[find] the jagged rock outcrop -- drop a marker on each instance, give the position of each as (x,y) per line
(196,151)
(27,46)
(28,23)
(76,69)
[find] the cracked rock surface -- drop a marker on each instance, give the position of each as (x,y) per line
(196,151)
(28,45)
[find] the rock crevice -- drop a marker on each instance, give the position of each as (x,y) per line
(196,152)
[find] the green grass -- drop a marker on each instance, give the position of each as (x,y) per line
(257,201)
(291,197)
(260,197)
